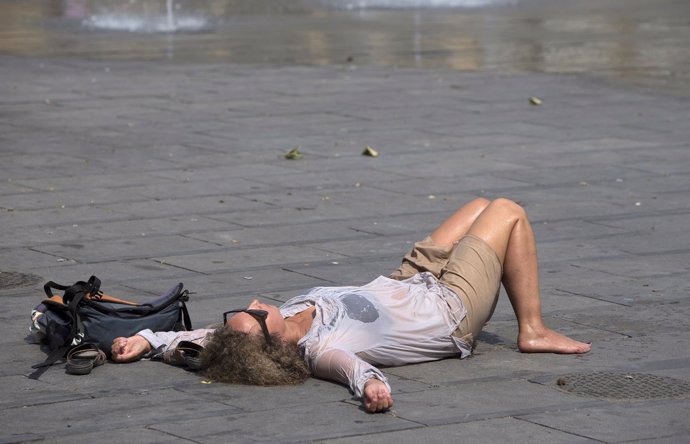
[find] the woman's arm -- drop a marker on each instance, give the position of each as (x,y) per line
(365,380)
(160,344)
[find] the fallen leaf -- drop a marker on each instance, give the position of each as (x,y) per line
(369,151)
(294,154)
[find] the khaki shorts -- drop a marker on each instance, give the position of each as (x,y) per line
(470,268)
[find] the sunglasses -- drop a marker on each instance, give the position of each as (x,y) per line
(259,315)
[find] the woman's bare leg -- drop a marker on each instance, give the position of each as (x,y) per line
(445,236)
(504,226)
(456,226)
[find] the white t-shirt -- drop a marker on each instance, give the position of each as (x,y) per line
(386,322)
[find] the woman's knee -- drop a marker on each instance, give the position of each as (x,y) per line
(481,202)
(475,206)
(508,207)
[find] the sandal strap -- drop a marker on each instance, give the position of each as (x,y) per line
(191,352)
(83,358)
(189,348)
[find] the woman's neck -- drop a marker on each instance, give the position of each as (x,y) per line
(297,326)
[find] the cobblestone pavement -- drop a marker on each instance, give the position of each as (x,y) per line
(148,173)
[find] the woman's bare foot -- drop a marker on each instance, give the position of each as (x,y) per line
(545,340)
(129,349)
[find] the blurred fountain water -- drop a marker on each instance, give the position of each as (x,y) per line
(407,4)
(171,15)
(643,43)
(148,16)
(168,16)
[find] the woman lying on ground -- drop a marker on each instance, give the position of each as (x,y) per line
(432,307)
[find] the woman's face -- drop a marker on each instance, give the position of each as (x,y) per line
(247,323)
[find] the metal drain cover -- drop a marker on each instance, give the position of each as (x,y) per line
(623,385)
(12,279)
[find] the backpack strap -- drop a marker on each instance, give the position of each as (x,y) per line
(186,320)
(47,288)
(92,287)
(72,297)
(52,358)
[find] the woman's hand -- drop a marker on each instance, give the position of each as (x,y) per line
(377,397)
(129,349)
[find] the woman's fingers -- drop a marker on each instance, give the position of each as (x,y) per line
(381,402)
(118,348)
(377,398)
(129,349)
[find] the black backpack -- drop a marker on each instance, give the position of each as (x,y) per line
(84,314)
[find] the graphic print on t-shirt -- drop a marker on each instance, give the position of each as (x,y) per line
(358,308)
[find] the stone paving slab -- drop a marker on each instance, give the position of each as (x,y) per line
(132,244)
(84,181)
(160,207)
(23,258)
(491,430)
(124,411)
(170,226)
(246,259)
(31,236)
(622,423)
(141,435)
(315,232)
(357,271)
(191,156)
(111,271)
(50,217)
(251,427)
(483,400)
(268,281)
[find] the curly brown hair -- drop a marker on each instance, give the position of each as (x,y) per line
(241,358)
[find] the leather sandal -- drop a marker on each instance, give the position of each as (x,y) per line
(191,352)
(83,358)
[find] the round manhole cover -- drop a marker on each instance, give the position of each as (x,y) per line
(623,385)
(13,279)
